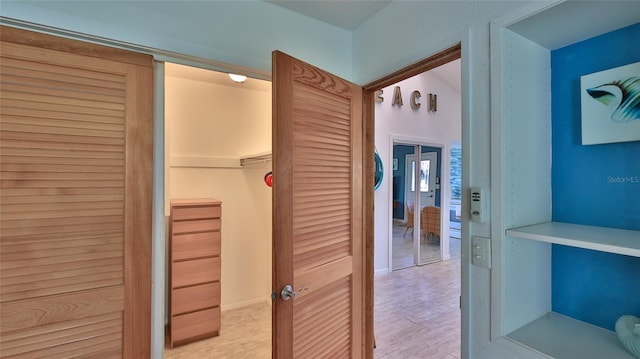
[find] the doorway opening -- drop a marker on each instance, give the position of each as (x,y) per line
(408,137)
(218,146)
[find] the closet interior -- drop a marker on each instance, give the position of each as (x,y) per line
(218,148)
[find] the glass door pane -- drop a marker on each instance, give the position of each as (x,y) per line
(429,242)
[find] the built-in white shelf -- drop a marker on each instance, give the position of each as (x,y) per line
(561,337)
(612,240)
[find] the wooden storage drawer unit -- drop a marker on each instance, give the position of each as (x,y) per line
(196,226)
(194,272)
(194,326)
(195,269)
(184,213)
(189,299)
(195,245)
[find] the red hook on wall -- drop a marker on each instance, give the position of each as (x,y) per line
(268,179)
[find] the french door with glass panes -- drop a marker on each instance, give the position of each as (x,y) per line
(420,243)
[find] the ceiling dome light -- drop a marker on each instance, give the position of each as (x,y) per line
(238,78)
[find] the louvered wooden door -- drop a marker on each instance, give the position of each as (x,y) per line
(75,200)
(317,213)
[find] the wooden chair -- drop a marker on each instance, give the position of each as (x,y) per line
(430,222)
(409,223)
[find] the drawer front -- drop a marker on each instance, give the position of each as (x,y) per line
(195,212)
(195,245)
(195,325)
(197,225)
(191,299)
(193,272)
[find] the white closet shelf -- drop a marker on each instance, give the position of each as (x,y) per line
(204,162)
(219,162)
(255,158)
(611,240)
(561,337)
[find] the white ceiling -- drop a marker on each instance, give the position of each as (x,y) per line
(347,14)
(574,21)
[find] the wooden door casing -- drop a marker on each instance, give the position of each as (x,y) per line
(318,212)
(75,198)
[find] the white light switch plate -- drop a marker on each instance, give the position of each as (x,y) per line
(481,251)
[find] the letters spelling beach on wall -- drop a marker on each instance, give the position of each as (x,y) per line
(610,103)
(432,99)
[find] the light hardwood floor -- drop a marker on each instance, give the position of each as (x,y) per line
(245,333)
(417,315)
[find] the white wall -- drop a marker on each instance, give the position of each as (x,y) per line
(212,116)
(207,121)
(441,129)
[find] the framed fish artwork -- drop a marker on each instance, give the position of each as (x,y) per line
(610,104)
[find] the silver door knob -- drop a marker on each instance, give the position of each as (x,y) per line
(288,293)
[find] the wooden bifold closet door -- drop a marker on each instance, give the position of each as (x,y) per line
(75,198)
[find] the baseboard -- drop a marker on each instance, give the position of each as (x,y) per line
(246,303)
(381,271)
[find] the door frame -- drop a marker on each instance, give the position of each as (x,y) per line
(440,58)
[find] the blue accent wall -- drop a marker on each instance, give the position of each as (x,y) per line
(594,185)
